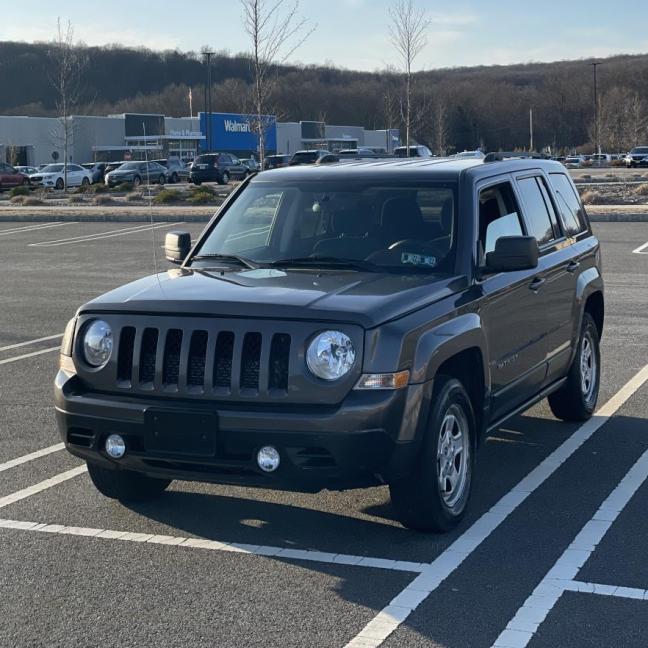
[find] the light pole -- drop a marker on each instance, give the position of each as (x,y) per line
(597,135)
(208,109)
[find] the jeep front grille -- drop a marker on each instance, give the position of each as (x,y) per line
(202,361)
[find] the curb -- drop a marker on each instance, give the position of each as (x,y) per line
(105,218)
(618,218)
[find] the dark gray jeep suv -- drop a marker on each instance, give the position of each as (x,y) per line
(343,326)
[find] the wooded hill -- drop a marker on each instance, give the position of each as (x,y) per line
(459,108)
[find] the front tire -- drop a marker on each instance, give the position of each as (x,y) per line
(126,485)
(137,181)
(59,184)
(85,182)
(225,178)
(174,178)
(435,495)
(576,399)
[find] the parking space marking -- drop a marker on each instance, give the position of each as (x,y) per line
(24,356)
(41,486)
(216,545)
(521,628)
(641,248)
(89,238)
(388,620)
(43,452)
(602,589)
(30,342)
(31,228)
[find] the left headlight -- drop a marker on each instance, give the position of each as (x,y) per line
(97,343)
(330,355)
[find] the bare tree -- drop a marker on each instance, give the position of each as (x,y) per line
(276,30)
(407,33)
(68,63)
(440,127)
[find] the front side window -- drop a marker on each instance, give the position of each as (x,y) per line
(536,214)
(397,228)
(498,216)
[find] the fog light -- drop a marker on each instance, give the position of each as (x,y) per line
(115,446)
(268,459)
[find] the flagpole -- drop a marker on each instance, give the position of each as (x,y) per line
(190,104)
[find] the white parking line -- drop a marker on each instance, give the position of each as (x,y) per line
(641,248)
(18,461)
(31,228)
(30,342)
(381,626)
(103,235)
(216,545)
(607,590)
(29,355)
(41,486)
(521,628)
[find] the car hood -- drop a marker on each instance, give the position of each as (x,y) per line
(367,299)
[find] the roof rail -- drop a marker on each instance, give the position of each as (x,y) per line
(512,155)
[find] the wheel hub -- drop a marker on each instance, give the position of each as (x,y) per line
(453,456)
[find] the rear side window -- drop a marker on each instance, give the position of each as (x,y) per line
(498,215)
(568,204)
(536,214)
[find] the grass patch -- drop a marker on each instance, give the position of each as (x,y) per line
(134,196)
(23,190)
(202,197)
(26,201)
(641,190)
(76,199)
(167,197)
(103,200)
(592,198)
(123,186)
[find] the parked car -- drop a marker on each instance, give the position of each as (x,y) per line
(328,159)
(470,154)
(307,157)
(251,164)
(53,175)
(111,166)
(217,167)
(638,156)
(601,159)
(276,161)
(11,177)
(176,169)
(26,170)
(448,298)
(360,153)
(97,169)
(414,151)
(137,173)
(573,162)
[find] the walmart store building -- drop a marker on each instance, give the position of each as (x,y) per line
(39,140)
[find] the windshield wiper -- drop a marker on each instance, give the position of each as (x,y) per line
(325,262)
(228,258)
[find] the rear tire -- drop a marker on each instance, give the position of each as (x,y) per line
(435,495)
(137,181)
(85,182)
(576,399)
(161,180)
(225,178)
(174,178)
(126,485)
(59,184)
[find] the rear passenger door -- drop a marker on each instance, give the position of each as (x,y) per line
(554,284)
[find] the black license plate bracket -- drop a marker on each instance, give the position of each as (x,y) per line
(193,434)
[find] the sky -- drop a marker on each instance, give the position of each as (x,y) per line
(354,33)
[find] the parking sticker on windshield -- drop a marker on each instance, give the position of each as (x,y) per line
(418,259)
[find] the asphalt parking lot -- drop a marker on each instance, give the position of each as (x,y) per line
(552,553)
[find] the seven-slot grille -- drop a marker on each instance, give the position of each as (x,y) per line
(177,360)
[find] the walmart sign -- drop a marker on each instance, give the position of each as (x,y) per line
(236,133)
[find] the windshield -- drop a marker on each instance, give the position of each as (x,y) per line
(53,168)
(640,149)
(129,166)
(408,228)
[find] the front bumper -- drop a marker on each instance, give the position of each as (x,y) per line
(369,439)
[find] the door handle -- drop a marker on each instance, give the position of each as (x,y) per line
(573,266)
(536,284)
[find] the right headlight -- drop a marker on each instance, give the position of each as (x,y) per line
(97,343)
(330,355)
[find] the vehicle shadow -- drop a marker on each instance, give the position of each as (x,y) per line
(358,522)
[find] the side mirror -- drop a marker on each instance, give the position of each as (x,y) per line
(176,246)
(513,253)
